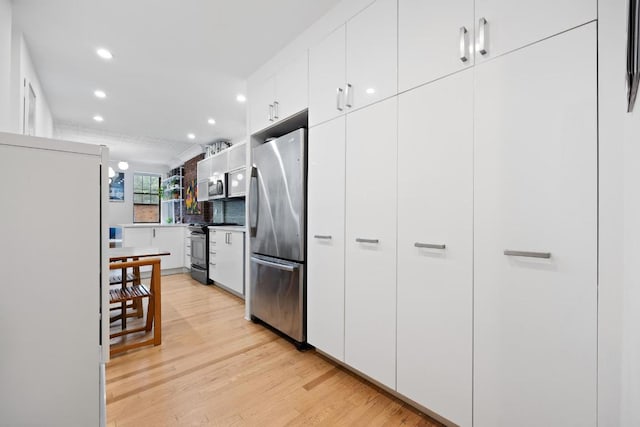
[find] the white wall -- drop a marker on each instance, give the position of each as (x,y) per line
(122,212)
(5,65)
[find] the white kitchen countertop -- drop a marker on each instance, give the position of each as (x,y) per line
(155,225)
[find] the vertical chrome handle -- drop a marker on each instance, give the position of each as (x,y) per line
(254,203)
(528,254)
(154,233)
(349,96)
(482,36)
(463,44)
(270,115)
(276,114)
(339,93)
(229,238)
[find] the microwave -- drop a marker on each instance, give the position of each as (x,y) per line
(237,182)
(217,186)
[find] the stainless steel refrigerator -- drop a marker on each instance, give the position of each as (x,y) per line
(277,225)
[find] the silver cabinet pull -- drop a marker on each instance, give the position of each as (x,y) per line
(463,44)
(321,237)
(270,116)
(349,96)
(339,93)
(276,114)
(528,254)
(359,240)
(429,245)
(482,26)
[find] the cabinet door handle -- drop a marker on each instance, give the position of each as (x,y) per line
(321,237)
(276,114)
(429,245)
(270,115)
(339,93)
(349,96)
(482,36)
(463,44)
(528,254)
(154,233)
(359,240)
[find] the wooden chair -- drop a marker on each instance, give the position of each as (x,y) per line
(115,279)
(137,292)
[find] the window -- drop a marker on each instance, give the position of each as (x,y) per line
(146,198)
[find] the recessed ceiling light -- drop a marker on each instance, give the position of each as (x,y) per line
(104,53)
(100,94)
(191,136)
(241,98)
(211,122)
(98,118)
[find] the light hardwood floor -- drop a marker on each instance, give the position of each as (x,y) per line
(216,368)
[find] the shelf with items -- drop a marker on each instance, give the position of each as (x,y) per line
(171,194)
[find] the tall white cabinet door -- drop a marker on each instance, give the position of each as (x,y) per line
(513,24)
(327,77)
(535,319)
(372,54)
(292,88)
(435,246)
(435,39)
(325,247)
(370,271)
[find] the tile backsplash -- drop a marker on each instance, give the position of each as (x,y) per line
(232,210)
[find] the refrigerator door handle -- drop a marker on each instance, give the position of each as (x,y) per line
(279,266)
(254,205)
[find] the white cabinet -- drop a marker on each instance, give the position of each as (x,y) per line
(187,248)
(356,65)
(434,39)
(281,95)
(435,246)
(169,238)
(372,54)
(203,171)
(535,315)
(226,259)
(514,24)
(325,240)
(327,74)
(370,273)
(237,156)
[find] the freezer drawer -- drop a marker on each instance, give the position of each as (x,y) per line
(278,295)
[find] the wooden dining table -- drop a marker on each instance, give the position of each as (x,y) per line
(124,255)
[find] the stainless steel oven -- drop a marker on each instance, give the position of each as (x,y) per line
(199,253)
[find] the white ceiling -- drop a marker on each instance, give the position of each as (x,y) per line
(176,62)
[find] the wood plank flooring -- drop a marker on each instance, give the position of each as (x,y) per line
(215,368)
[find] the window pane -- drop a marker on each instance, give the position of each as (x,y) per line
(155,200)
(137,184)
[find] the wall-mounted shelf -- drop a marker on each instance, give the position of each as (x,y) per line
(172,197)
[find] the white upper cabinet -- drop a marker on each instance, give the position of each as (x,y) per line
(508,24)
(435,246)
(325,241)
(370,248)
(237,156)
(535,244)
(435,39)
(281,95)
(327,77)
(356,65)
(372,55)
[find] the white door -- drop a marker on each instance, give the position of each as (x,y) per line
(261,98)
(292,88)
(435,246)
(435,39)
(370,248)
(325,240)
(513,24)
(327,77)
(535,319)
(170,239)
(237,156)
(372,54)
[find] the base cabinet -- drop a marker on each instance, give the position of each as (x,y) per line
(535,235)
(370,248)
(435,246)
(170,238)
(226,259)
